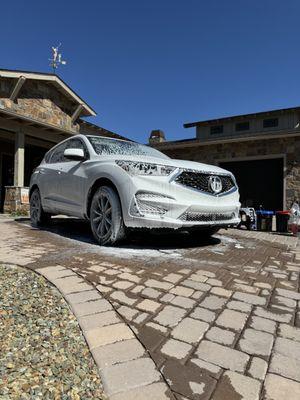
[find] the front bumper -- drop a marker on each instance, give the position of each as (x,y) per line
(158,202)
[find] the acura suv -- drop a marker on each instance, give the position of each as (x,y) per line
(119,185)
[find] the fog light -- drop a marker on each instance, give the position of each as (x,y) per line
(150,209)
(146,204)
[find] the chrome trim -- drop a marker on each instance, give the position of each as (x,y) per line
(153,195)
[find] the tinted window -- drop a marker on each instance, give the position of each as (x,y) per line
(216,129)
(270,122)
(242,126)
(57,155)
(47,156)
(77,143)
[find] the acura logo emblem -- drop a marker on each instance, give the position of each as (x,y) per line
(215,184)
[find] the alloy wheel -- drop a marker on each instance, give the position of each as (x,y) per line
(101,217)
(35,207)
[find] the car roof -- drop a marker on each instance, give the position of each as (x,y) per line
(80,135)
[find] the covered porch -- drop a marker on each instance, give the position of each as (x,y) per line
(23,143)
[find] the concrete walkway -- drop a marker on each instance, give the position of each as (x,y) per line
(168,318)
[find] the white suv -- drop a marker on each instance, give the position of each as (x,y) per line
(118,184)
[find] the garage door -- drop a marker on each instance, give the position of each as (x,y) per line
(260,182)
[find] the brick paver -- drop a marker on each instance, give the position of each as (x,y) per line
(222,356)
(216,321)
(129,375)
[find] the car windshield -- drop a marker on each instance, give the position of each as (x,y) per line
(103,146)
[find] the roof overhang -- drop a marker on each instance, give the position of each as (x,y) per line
(55,81)
(200,143)
(241,117)
(101,131)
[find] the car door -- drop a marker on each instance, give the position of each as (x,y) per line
(72,180)
(49,178)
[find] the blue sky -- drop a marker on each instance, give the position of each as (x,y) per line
(157,64)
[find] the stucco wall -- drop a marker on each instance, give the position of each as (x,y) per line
(212,154)
(286,121)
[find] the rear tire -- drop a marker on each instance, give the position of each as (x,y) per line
(106,217)
(38,216)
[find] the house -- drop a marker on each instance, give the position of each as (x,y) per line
(262,150)
(37,110)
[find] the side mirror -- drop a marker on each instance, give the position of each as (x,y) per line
(74,154)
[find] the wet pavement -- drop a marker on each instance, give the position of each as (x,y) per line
(220,318)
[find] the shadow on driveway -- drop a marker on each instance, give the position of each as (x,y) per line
(79,230)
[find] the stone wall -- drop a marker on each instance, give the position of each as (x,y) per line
(16,200)
(40,101)
(210,154)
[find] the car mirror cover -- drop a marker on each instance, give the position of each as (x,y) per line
(74,154)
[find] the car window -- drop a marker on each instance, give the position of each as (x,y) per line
(47,157)
(103,146)
(57,155)
(77,143)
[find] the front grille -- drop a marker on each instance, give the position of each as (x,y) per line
(208,217)
(200,181)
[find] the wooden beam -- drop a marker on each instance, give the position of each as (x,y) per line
(36,132)
(37,142)
(77,112)
(17,88)
(8,137)
(19,159)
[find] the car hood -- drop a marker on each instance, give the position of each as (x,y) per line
(183,164)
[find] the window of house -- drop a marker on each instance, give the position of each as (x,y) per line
(216,129)
(270,123)
(242,126)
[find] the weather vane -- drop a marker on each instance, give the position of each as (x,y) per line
(56,59)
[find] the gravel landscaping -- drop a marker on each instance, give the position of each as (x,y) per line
(43,353)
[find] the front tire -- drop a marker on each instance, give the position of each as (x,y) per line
(106,217)
(38,216)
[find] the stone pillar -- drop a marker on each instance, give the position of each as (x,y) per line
(19,159)
(16,197)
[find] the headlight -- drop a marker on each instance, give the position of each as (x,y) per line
(140,168)
(234,180)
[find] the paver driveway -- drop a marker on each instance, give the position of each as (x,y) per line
(167,318)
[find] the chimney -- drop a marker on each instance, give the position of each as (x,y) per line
(157,136)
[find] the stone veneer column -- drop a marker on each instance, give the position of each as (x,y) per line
(19,159)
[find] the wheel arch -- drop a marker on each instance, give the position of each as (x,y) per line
(98,183)
(32,189)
